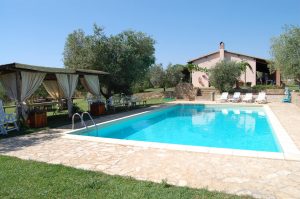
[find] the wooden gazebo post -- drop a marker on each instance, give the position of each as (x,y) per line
(19,102)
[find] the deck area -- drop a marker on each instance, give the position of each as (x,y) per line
(259,177)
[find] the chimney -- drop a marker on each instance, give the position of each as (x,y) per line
(222,51)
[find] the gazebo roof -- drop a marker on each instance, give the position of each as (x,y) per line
(7,68)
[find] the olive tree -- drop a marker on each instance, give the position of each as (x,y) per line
(224,75)
(157,76)
(285,51)
(174,74)
(127,56)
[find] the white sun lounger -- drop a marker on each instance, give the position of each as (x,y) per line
(236,97)
(261,98)
(224,97)
(248,97)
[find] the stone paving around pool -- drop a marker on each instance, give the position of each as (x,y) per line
(259,177)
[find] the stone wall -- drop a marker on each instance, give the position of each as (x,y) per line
(296,98)
(185,91)
(151,95)
(274,91)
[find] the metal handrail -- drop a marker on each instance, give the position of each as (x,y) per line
(82,114)
(82,122)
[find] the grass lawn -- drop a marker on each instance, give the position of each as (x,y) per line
(30,179)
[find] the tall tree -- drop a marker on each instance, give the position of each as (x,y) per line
(126,56)
(78,51)
(243,67)
(157,76)
(174,74)
(285,51)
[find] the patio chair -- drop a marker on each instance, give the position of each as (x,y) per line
(133,101)
(261,98)
(248,97)
(287,97)
(236,97)
(114,101)
(111,103)
(224,97)
(6,120)
(125,101)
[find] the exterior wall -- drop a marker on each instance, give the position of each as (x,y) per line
(200,79)
(250,76)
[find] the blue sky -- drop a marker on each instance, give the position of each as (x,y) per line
(34,31)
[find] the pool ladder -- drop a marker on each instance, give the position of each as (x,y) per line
(81,119)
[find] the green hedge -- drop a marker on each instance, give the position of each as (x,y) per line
(264,87)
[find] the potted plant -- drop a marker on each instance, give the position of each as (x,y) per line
(37,118)
(97,108)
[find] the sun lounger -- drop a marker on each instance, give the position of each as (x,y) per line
(248,97)
(261,98)
(236,97)
(224,97)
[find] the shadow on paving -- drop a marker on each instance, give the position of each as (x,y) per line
(16,143)
(57,124)
(110,116)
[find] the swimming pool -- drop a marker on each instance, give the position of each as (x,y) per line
(232,127)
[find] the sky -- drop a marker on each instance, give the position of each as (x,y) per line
(34,31)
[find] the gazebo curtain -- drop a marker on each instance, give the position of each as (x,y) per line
(68,84)
(53,89)
(29,84)
(8,82)
(91,84)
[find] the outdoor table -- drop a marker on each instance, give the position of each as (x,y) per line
(45,106)
(42,106)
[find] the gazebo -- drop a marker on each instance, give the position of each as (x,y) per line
(20,81)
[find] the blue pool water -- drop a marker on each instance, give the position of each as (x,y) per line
(244,128)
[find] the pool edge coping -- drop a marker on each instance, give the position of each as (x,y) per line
(290,150)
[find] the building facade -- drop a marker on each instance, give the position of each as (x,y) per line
(258,74)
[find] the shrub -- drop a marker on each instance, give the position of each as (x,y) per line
(264,87)
(224,75)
